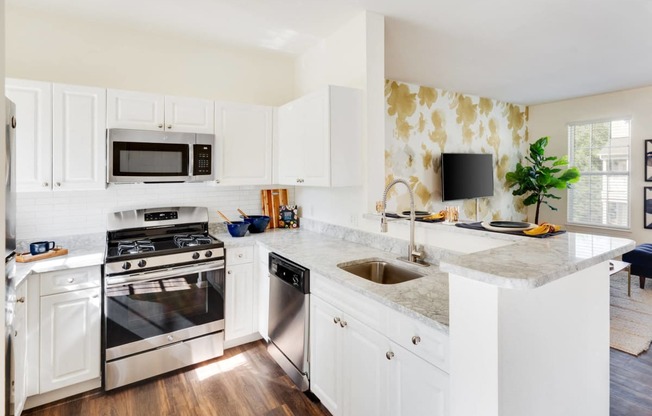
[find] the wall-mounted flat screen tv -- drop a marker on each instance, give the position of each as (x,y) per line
(466,175)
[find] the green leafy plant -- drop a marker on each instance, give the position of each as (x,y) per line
(538,180)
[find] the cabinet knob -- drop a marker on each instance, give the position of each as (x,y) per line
(416,340)
(71,279)
(160,126)
(336,320)
(229,272)
(15,334)
(217,181)
(21,299)
(240,255)
(58,184)
(96,296)
(389,355)
(342,324)
(46,184)
(169,126)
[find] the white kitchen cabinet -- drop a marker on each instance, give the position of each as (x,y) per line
(367,358)
(241,308)
(70,338)
(60,138)
(349,369)
(19,388)
(320,139)
(78,137)
(33,101)
(146,111)
(244,144)
(418,388)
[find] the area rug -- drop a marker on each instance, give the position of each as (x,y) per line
(631,317)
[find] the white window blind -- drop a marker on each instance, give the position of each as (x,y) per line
(601,151)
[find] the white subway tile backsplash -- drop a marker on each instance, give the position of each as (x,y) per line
(52,214)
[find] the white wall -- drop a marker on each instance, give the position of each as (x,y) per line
(47,215)
(352,56)
(552,120)
(49,47)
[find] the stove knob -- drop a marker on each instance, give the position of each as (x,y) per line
(195,256)
(142,263)
(126,265)
(208,253)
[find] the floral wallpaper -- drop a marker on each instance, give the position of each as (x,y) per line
(423,122)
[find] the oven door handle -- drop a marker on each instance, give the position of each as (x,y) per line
(159,274)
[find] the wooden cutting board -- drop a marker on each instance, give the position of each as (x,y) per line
(272,199)
(28,257)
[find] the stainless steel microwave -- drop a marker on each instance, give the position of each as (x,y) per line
(154,156)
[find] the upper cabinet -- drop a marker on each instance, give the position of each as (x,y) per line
(244,144)
(60,136)
(320,139)
(33,101)
(144,111)
(78,137)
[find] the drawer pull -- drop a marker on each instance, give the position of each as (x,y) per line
(21,299)
(229,272)
(342,324)
(96,296)
(336,320)
(71,280)
(416,340)
(240,255)
(389,355)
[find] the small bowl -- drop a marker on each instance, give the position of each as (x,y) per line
(258,223)
(238,228)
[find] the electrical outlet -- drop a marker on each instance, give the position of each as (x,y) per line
(353,220)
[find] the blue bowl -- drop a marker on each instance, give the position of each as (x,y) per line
(238,228)
(258,223)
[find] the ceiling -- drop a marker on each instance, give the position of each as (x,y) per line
(525,52)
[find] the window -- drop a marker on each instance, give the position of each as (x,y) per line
(601,151)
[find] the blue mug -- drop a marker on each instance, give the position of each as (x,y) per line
(41,247)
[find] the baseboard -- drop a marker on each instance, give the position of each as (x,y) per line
(241,340)
(53,396)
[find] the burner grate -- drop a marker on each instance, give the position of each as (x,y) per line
(135,247)
(185,240)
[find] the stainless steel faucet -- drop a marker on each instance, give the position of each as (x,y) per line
(414,255)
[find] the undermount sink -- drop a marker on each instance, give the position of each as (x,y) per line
(379,271)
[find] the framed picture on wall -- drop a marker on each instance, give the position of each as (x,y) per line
(647,200)
(648,160)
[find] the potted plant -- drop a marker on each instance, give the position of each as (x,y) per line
(541,177)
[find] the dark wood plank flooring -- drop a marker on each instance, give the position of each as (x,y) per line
(245,381)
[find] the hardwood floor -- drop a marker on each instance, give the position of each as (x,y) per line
(631,384)
(245,381)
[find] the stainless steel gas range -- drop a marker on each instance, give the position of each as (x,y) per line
(163,293)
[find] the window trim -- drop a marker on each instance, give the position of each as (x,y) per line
(628,174)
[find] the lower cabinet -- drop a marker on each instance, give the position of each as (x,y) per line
(70,338)
(19,388)
(261,277)
(239,310)
(357,370)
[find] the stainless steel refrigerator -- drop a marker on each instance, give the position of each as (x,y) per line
(10,249)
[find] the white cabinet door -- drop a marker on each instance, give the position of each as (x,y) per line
(418,388)
(316,154)
(20,348)
(262,277)
(33,101)
(189,115)
(244,144)
(326,351)
(290,145)
(365,371)
(79,131)
(134,110)
(70,338)
(239,308)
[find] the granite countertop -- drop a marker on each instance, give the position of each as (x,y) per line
(425,299)
(83,250)
(533,262)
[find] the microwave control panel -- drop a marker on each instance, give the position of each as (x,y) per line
(203,158)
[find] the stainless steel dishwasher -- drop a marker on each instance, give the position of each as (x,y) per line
(289,318)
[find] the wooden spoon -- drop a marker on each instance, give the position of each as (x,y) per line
(224,216)
(243,214)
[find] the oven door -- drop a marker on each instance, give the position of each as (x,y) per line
(143,313)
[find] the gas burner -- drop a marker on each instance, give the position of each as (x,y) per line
(185,240)
(134,247)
